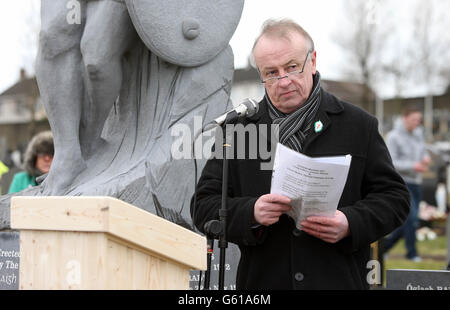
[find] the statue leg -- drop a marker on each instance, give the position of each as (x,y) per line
(108,34)
(59,76)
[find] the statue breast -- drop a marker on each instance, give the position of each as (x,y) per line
(185,32)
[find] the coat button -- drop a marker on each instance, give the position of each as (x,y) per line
(299,276)
(296,232)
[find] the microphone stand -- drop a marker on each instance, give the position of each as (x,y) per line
(217,229)
(210,250)
(221,229)
(212,231)
(223,212)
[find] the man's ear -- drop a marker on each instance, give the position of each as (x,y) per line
(313,61)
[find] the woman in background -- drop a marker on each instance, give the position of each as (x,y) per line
(37,161)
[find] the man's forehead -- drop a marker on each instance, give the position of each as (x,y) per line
(277,50)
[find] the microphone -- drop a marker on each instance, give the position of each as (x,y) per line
(248,108)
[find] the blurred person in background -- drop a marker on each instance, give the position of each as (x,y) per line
(407,147)
(37,161)
(4,169)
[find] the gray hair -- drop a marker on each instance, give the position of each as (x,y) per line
(282,28)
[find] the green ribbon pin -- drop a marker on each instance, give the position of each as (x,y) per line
(318,126)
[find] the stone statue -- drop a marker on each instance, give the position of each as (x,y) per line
(80,67)
(79,73)
(115,84)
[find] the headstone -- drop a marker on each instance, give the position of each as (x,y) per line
(9,260)
(405,279)
(231,261)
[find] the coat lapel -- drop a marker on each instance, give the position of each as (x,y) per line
(322,120)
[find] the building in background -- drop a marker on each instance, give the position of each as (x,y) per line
(440,113)
(21,113)
(21,116)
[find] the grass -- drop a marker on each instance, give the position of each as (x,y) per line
(426,248)
(433,253)
(425,264)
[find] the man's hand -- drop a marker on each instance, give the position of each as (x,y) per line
(269,208)
(329,229)
(420,167)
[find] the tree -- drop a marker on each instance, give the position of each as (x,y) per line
(29,37)
(359,35)
(29,40)
(430,46)
(419,59)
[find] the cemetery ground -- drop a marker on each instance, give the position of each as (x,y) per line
(433,253)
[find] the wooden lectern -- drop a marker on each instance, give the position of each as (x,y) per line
(101,243)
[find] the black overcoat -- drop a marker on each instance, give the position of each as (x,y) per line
(375,201)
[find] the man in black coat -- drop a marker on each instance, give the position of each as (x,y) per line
(328,253)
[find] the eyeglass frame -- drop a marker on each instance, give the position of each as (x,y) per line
(276,79)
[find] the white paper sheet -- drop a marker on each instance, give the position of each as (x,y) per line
(315,185)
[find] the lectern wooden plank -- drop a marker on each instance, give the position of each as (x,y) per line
(101,243)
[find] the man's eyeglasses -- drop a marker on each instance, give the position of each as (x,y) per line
(275,79)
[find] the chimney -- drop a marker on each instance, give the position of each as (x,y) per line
(23,74)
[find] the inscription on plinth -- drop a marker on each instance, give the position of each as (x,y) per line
(9,260)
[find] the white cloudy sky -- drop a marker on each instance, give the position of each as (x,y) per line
(322,18)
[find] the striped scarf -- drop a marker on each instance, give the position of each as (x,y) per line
(295,127)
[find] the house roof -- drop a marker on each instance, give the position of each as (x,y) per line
(26,86)
(248,74)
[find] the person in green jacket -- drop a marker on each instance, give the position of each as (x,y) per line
(37,161)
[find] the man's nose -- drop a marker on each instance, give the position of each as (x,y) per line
(284,80)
